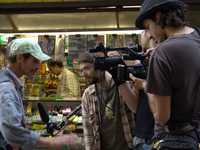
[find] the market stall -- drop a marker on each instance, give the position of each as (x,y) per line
(64,29)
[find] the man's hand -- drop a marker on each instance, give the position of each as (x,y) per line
(72,141)
(66,139)
(15,147)
(139,84)
(148,52)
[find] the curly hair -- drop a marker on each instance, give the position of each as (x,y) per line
(86,58)
(170,17)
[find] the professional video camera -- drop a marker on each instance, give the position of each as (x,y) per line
(116,64)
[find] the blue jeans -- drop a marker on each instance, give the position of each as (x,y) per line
(143,147)
(140,144)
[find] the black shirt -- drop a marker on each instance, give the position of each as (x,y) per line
(175,71)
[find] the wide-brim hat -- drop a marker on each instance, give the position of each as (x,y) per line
(151,6)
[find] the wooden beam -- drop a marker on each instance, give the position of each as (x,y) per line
(42,10)
(10,19)
(77,6)
(66,30)
(48,7)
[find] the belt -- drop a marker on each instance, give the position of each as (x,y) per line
(180,128)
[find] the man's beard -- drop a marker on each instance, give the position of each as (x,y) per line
(92,81)
(98,77)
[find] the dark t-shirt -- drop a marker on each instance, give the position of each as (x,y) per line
(175,71)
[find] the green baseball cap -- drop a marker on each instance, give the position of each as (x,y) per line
(3,40)
(26,46)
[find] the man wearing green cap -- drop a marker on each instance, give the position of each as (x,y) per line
(173,81)
(24,56)
(3,43)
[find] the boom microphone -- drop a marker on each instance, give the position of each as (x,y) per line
(45,118)
(43,113)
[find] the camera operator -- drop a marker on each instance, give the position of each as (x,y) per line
(173,81)
(105,121)
(144,122)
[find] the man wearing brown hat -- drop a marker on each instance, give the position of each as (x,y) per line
(173,81)
(24,56)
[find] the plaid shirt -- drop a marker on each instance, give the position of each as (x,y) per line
(91,121)
(68,85)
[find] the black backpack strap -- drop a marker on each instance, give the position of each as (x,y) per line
(197,29)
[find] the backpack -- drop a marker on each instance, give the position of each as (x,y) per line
(176,142)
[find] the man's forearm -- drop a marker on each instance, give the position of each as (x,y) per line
(129,96)
(152,104)
(160,107)
(58,142)
(45,142)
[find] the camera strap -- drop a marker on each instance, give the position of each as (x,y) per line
(197,29)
